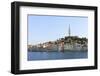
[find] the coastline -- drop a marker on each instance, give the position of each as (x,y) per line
(56,50)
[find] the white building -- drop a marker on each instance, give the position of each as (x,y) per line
(68,46)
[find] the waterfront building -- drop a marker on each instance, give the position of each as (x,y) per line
(77,46)
(68,46)
(54,47)
(61,46)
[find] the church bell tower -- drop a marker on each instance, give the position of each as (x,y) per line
(69,31)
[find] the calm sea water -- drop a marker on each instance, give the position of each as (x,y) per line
(57,55)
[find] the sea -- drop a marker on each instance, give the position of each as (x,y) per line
(54,55)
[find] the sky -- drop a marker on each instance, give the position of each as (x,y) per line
(42,28)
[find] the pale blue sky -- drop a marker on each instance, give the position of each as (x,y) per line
(49,28)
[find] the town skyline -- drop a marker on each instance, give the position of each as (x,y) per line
(41,30)
(63,44)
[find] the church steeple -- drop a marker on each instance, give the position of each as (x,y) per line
(69,31)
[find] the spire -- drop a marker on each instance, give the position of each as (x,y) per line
(69,31)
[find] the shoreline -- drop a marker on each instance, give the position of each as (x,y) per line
(57,51)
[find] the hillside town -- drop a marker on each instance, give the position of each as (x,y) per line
(68,43)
